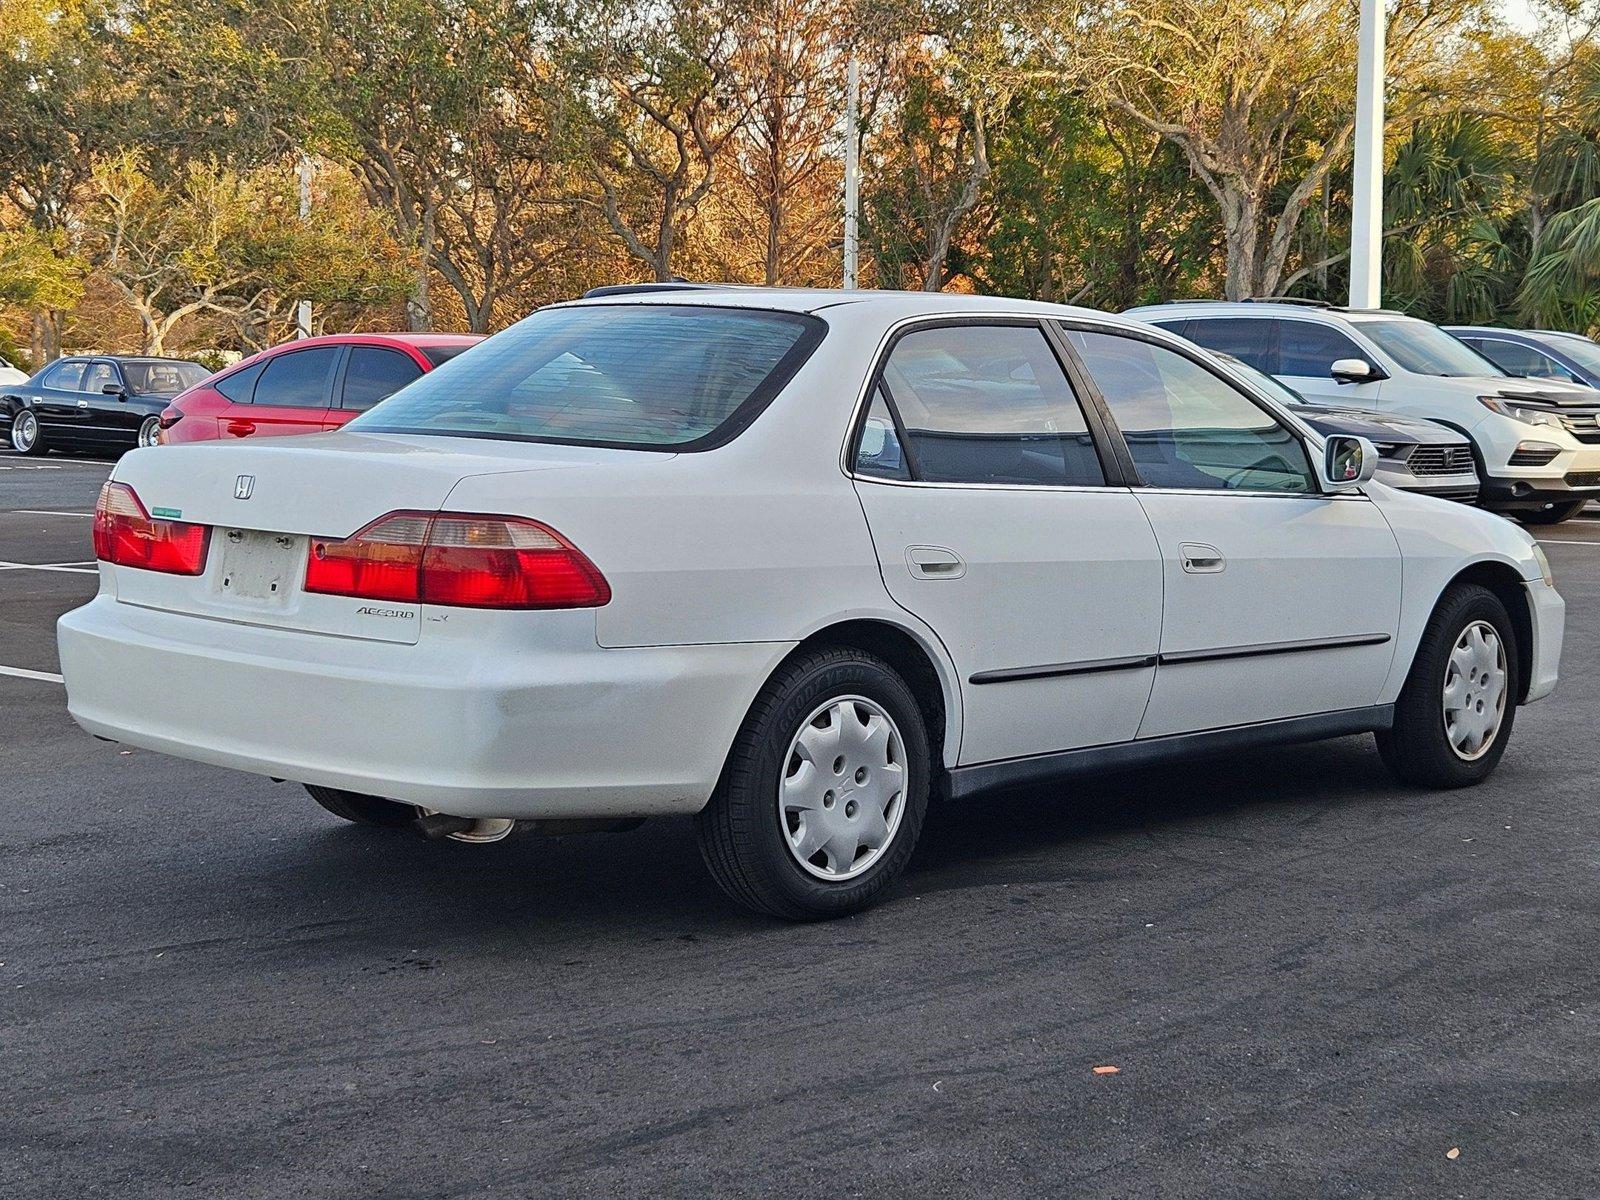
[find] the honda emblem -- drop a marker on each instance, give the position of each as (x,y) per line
(243,486)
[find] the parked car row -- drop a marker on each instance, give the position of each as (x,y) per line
(117,402)
(797,562)
(1535,441)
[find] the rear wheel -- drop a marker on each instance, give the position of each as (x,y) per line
(1553,515)
(25,435)
(363,809)
(1454,716)
(823,797)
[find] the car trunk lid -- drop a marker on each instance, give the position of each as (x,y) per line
(265,501)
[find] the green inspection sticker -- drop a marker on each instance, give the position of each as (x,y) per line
(172,513)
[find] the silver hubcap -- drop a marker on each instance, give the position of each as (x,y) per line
(843,789)
(1475,690)
(148,431)
(24,431)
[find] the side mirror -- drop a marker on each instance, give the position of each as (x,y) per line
(1347,463)
(1353,370)
(113,389)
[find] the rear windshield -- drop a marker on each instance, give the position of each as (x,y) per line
(641,376)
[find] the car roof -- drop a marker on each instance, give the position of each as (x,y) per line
(382,339)
(881,304)
(130,358)
(1539,337)
(1178,309)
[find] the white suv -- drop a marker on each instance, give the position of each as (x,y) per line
(794,562)
(1538,443)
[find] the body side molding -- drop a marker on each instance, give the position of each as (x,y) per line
(980,777)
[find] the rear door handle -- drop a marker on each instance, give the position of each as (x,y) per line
(1201,559)
(935,562)
(241,428)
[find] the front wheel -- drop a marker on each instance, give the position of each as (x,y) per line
(1553,515)
(363,809)
(149,431)
(823,796)
(25,435)
(1454,716)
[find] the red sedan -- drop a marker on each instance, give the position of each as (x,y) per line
(306,386)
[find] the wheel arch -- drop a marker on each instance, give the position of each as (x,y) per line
(1508,586)
(919,659)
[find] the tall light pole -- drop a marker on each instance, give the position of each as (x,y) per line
(302,311)
(1366,208)
(852,170)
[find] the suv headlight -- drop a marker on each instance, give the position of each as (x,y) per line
(1520,412)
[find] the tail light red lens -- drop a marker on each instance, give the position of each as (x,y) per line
(170,416)
(125,534)
(460,559)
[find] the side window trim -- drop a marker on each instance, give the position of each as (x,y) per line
(1108,445)
(1199,360)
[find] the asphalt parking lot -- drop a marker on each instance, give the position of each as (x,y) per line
(1311,982)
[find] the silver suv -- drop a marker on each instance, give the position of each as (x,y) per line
(1538,443)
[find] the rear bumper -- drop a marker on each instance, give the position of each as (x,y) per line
(1549,613)
(462,726)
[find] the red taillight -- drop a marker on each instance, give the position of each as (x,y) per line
(170,416)
(381,562)
(460,559)
(125,534)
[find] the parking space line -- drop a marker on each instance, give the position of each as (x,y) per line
(46,512)
(24,673)
(73,570)
(1565,542)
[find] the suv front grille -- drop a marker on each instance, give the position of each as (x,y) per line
(1440,460)
(1585,426)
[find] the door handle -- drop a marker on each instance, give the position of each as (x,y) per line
(241,428)
(1201,559)
(935,562)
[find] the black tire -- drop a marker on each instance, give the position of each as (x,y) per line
(149,428)
(1554,515)
(1417,748)
(741,834)
(362,809)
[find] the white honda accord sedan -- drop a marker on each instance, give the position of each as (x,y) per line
(794,562)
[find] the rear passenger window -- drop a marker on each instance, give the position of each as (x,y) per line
(240,387)
(988,404)
(1311,350)
(1249,339)
(374,374)
(1188,428)
(298,379)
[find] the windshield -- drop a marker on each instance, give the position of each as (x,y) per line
(1580,350)
(641,376)
(1426,349)
(161,378)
